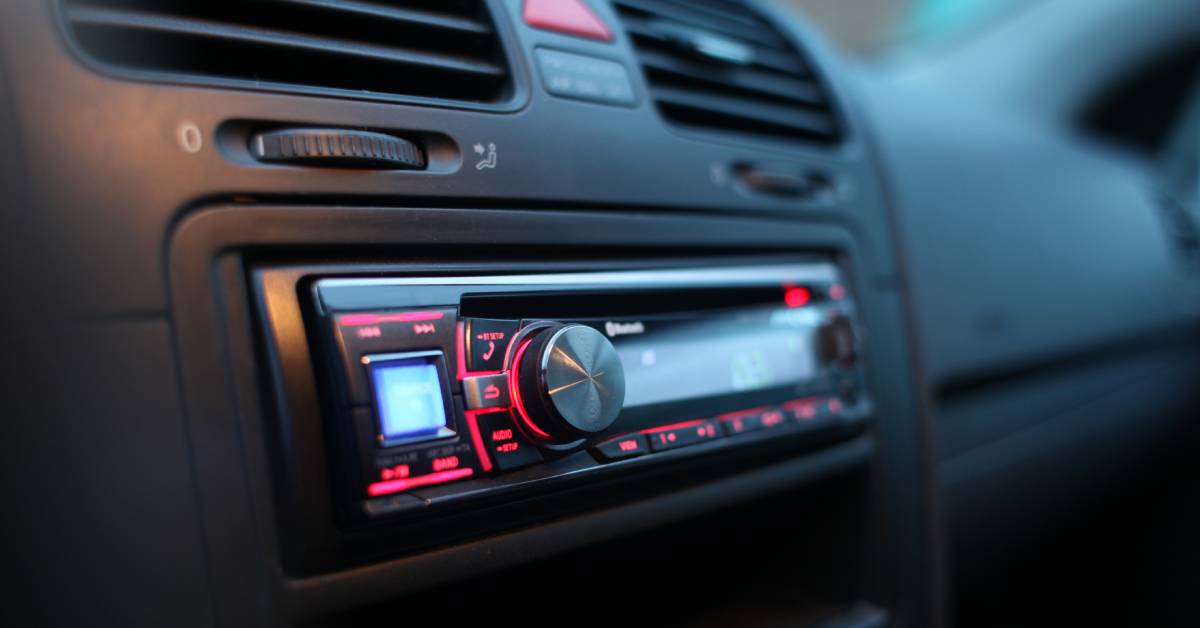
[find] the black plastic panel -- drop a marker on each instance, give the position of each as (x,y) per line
(292,231)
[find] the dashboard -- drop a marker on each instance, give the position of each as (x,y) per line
(333,311)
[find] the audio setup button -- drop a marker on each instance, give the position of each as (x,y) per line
(506,446)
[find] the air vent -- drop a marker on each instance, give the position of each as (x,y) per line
(389,49)
(717,64)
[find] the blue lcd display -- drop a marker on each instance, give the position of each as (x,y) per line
(408,398)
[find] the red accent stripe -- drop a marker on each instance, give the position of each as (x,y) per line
(477,438)
(399,486)
(356,320)
(460,358)
(743,413)
(674,426)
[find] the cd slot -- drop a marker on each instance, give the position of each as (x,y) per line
(609,303)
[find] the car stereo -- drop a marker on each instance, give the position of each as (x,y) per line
(445,389)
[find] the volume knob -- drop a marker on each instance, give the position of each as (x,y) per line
(567,382)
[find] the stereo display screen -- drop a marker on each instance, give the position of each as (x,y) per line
(675,358)
(408,398)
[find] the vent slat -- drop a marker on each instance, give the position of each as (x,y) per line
(717,65)
(745,79)
(820,124)
(130,19)
(779,61)
(755,33)
(723,10)
(398,14)
(394,49)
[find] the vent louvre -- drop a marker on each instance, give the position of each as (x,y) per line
(716,64)
(390,49)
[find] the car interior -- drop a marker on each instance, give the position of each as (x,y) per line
(814,313)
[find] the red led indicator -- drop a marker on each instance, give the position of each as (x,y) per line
(369,332)
(424,328)
(797,296)
(628,445)
(772,418)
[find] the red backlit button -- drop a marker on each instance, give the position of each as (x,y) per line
(570,17)
(804,410)
(682,434)
(752,420)
(487,340)
(486,391)
(508,449)
(623,447)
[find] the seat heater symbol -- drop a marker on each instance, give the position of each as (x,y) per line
(490,162)
(424,328)
(492,391)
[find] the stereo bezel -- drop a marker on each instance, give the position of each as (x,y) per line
(331,293)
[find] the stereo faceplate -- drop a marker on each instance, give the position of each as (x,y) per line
(432,402)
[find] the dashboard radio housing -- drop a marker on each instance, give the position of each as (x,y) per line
(447,393)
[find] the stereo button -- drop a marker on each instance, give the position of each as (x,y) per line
(487,340)
(682,435)
(486,391)
(624,447)
(508,449)
(752,420)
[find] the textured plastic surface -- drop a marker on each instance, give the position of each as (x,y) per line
(336,147)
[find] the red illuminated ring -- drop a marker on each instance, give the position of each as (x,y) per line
(515,394)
